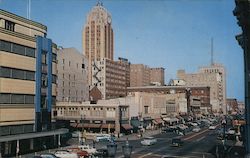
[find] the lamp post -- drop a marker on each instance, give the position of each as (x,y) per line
(224,135)
(83,135)
(127,149)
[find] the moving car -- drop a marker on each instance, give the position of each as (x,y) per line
(103,137)
(212,127)
(196,129)
(177,142)
(48,155)
(87,148)
(79,152)
(65,154)
(101,152)
(148,141)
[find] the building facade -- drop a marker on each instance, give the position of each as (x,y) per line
(232,106)
(157,76)
(212,76)
(98,37)
(27,85)
(191,92)
(104,115)
(110,77)
(72,76)
(142,75)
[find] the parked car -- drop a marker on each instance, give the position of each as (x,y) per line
(231,131)
(101,153)
(79,152)
(149,141)
(212,127)
(65,154)
(48,155)
(104,137)
(177,142)
(196,129)
(87,148)
(76,134)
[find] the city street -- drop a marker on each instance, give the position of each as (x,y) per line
(195,145)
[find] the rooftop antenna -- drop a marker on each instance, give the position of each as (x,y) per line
(212,51)
(29,13)
(28,9)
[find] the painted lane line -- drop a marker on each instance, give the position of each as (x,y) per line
(200,139)
(195,135)
(145,155)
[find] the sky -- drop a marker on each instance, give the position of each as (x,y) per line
(174,34)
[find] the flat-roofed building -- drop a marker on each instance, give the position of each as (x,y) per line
(27,85)
(103,115)
(213,76)
(143,75)
(110,77)
(200,92)
(72,76)
(157,75)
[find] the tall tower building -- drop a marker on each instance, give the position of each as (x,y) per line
(98,38)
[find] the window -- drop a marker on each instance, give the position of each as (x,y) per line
(83,66)
(54,78)
(17,74)
(30,75)
(18,49)
(44,80)
(5,46)
(30,52)
(69,63)
(53,100)
(43,102)
(5,72)
(29,99)
(5,98)
(146,109)
(44,58)
(17,99)
(9,25)
(54,56)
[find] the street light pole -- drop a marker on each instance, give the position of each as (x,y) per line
(83,139)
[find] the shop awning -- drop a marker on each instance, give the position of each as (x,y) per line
(88,125)
(107,126)
(127,126)
(147,119)
(168,119)
(158,121)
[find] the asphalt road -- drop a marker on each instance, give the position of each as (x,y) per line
(196,145)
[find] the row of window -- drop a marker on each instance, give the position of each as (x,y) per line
(20,74)
(20,49)
(7,98)
(17,49)
(17,74)
(16,99)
